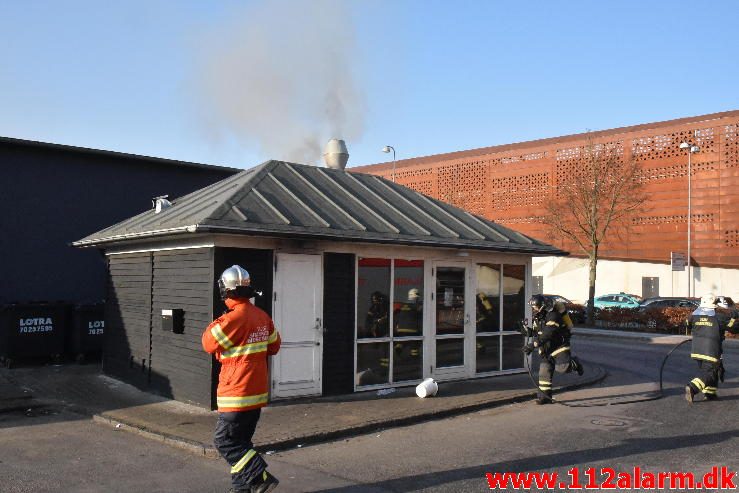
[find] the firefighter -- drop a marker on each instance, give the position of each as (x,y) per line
(708,326)
(552,339)
(241,340)
(377,320)
(409,316)
(487,318)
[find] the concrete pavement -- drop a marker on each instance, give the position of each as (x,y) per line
(284,424)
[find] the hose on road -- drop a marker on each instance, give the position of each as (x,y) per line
(650,396)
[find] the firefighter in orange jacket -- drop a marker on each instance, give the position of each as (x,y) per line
(241,340)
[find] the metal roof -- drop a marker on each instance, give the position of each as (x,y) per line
(300,201)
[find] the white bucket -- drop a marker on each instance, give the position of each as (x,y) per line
(427,388)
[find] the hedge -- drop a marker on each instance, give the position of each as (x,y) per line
(670,320)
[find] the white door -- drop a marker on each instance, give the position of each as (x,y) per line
(297,310)
(450,323)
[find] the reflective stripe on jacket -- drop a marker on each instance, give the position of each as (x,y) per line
(551,331)
(241,340)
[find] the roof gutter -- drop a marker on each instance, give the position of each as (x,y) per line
(195,228)
(131,236)
(554,252)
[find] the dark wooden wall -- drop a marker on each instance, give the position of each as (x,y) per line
(137,350)
(126,346)
(179,366)
(338,322)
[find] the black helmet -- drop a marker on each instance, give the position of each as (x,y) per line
(540,302)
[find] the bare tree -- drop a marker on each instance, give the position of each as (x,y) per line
(605,189)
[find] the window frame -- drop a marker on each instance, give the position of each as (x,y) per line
(390,338)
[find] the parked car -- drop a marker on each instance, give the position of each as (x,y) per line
(668,302)
(576,311)
(620,300)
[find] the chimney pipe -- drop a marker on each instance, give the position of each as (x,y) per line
(335,154)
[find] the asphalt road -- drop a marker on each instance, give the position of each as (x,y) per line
(48,452)
(668,434)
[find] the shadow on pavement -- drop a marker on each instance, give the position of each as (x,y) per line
(631,446)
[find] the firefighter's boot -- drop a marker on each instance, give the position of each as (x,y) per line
(264,482)
(577,366)
(689,393)
(544,397)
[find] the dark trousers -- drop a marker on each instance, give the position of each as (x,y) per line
(706,380)
(561,362)
(232,439)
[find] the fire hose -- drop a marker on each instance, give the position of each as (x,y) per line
(652,396)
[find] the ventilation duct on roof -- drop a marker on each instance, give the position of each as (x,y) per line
(160,203)
(335,154)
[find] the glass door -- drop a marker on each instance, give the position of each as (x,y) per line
(451,321)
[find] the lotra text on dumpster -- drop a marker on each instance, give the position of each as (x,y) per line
(31,325)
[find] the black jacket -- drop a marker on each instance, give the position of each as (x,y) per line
(551,332)
(708,327)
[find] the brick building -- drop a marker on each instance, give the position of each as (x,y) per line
(509,183)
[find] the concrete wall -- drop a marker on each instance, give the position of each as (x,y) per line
(569,277)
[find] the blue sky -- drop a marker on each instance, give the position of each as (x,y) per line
(427,77)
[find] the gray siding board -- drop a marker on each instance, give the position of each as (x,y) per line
(186,270)
(128,318)
(177,285)
(172,276)
(182,279)
(182,359)
(166,259)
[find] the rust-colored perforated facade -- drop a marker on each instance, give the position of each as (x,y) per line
(509,183)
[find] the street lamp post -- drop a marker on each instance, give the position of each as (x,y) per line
(692,149)
(387,149)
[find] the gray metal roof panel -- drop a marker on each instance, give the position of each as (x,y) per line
(285,199)
(323,180)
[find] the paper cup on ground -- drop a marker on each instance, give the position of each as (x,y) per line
(427,388)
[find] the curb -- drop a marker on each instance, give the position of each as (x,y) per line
(276,445)
(175,441)
(633,336)
(20,404)
(656,340)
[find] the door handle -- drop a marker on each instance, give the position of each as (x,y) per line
(318,324)
(467,319)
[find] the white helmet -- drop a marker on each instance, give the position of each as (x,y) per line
(708,301)
(235,283)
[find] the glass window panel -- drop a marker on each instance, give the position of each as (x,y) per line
(449,352)
(488,353)
(373,300)
(450,300)
(407,360)
(408,298)
(512,354)
(373,363)
(514,286)
(487,302)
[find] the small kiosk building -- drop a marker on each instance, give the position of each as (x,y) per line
(371,284)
